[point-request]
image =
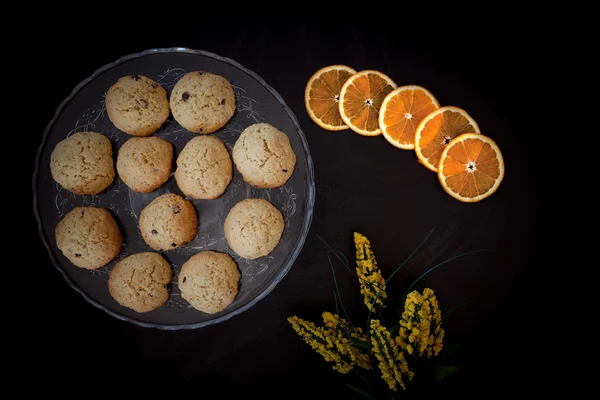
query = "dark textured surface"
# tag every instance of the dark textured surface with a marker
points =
(362, 184)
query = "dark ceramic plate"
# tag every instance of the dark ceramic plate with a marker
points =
(256, 102)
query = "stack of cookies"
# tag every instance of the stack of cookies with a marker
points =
(202, 103)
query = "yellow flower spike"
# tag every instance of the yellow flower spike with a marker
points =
(320, 339)
(393, 366)
(420, 322)
(341, 333)
(369, 275)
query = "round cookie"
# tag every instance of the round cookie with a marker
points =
(204, 168)
(209, 281)
(137, 105)
(202, 102)
(144, 163)
(253, 228)
(139, 281)
(83, 163)
(89, 237)
(168, 222)
(264, 156)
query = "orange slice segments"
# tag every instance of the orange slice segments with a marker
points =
(401, 112)
(360, 100)
(437, 129)
(471, 167)
(321, 96)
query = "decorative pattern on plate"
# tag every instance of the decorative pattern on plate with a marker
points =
(245, 103)
(287, 202)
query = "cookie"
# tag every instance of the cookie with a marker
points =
(204, 168)
(202, 102)
(209, 281)
(144, 163)
(168, 222)
(264, 156)
(139, 281)
(89, 237)
(83, 163)
(137, 105)
(253, 228)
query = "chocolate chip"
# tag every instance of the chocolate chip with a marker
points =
(136, 77)
(143, 103)
(173, 245)
(184, 279)
(284, 170)
(200, 129)
(82, 213)
(200, 73)
(154, 232)
(176, 209)
(185, 96)
(77, 255)
(222, 101)
(155, 85)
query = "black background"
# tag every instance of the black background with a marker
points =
(362, 184)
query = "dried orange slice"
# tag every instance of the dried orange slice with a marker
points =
(360, 99)
(471, 167)
(437, 129)
(401, 112)
(322, 93)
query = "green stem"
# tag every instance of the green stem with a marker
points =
(337, 289)
(337, 255)
(436, 267)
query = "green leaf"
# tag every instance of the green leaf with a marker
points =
(436, 267)
(387, 281)
(362, 343)
(360, 391)
(443, 371)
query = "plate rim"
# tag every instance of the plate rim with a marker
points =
(308, 211)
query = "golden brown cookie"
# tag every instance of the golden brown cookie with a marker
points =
(137, 105)
(253, 228)
(83, 163)
(204, 168)
(168, 222)
(202, 102)
(264, 156)
(89, 237)
(144, 163)
(139, 281)
(209, 281)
